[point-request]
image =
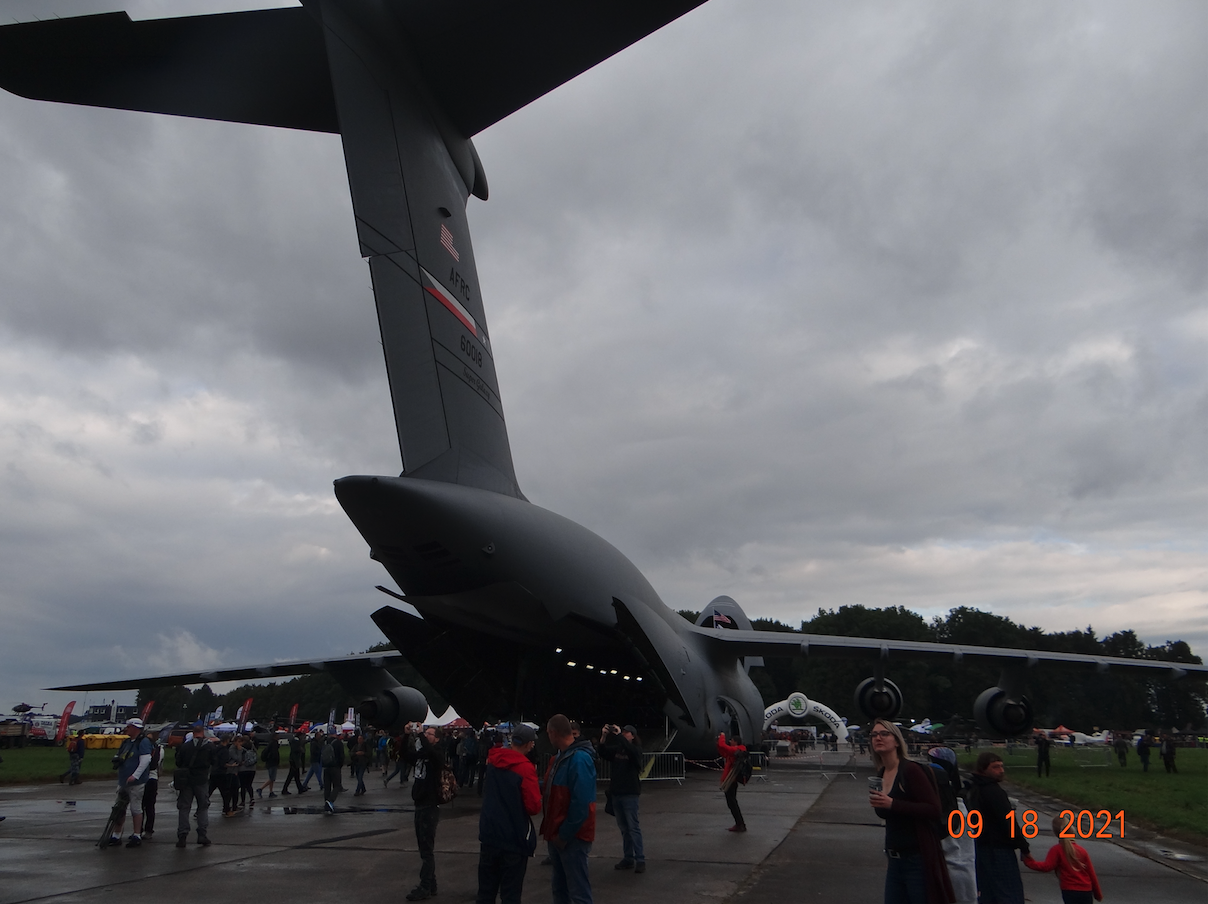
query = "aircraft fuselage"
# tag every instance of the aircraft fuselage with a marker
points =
(502, 567)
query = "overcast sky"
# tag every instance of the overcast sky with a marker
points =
(806, 303)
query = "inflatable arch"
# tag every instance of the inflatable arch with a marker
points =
(799, 706)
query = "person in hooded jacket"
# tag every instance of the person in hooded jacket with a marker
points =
(506, 835)
(427, 755)
(569, 799)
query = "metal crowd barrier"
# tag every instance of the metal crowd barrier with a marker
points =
(656, 767)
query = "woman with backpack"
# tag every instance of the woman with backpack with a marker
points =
(736, 771)
(907, 798)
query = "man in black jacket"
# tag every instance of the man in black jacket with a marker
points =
(297, 761)
(621, 747)
(193, 760)
(332, 758)
(998, 879)
(426, 752)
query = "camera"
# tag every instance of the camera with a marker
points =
(116, 761)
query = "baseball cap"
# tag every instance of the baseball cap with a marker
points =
(629, 728)
(137, 723)
(523, 734)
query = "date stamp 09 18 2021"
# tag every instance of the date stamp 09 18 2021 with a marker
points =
(1082, 824)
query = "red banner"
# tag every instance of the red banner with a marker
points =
(146, 710)
(245, 713)
(62, 732)
(293, 714)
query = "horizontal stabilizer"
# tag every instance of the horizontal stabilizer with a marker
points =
(267, 67)
(483, 59)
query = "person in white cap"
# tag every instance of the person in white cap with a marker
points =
(133, 763)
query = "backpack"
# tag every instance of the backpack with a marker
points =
(947, 796)
(742, 763)
(446, 784)
(328, 756)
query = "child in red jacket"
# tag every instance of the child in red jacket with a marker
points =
(1075, 872)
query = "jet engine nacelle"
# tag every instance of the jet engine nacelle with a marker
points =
(394, 707)
(883, 702)
(1001, 713)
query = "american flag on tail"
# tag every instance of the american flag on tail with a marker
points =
(446, 239)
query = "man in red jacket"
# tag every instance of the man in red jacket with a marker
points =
(506, 836)
(734, 756)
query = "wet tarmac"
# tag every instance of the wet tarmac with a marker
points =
(811, 836)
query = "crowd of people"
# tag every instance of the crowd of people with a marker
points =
(926, 861)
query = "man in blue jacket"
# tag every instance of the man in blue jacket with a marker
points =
(569, 824)
(133, 771)
(506, 835)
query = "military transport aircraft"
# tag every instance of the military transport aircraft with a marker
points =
(520, 611)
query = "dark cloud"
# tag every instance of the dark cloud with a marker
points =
(893, 304)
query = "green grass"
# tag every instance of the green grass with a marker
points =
(1172, 804)
(35, 765)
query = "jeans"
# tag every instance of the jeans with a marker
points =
(184, 801)
(426, 820)
(500, 873)
(626, 806)
(331, 784)
(316, 770)
(998, 879)
(360, 773)
(571, 884)
(904, 880)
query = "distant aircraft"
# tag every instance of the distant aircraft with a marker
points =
(521, 611)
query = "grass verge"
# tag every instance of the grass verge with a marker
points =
(1173, 804)
(38, 765)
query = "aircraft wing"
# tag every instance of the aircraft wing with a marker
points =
(360, 664)
(774, 643)
(482, 59)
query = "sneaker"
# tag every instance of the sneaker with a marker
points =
(115, 841)
(737, 828)
(147, 833)
(624, 864)
(134, 841)
(181, 840)
(640, 868)
(271, 794)
(204, 840)
(331, 807)
(260, 792)
(284, 793)
(419, 893)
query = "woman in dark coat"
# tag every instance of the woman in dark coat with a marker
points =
(910, 805)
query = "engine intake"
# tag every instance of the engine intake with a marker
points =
(883, 702)
(1001, 713)
(394, 707)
